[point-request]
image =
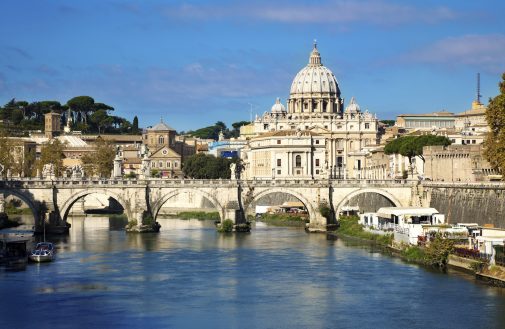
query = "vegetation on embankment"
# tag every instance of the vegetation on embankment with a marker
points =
(284, 219)
(6, 222)
(349, 226)
(435, 254)
(200, 215)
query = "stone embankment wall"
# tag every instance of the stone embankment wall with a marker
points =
(369, 202)
(469, 204)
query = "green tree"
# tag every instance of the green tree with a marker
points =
(81, 106)
(236, 128)
(101, 161)
(135, 126)
(494, 144)
(52, 152)
(412, 146)
(6, 158)
(204, 166)
(101, 120)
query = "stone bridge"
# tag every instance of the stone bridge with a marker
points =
(54, 198)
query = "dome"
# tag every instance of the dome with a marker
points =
(315, 78)
(353, 107)
(278, 107)
(315, 88)
(161, 126)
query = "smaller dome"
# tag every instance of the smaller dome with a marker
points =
(353, 107)
(278, 107)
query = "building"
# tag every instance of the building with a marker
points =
(452, 163)
(315, 112)
(430, 121)
(52, 124)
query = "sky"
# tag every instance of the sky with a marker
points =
(197, 62)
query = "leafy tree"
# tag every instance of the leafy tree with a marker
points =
(204, 166)
(6, 152)
(52, 152)
(494, 145)
(389, 123)
(135, 127)
(101, 120)
(236, 128)
(101, 161)
(81, 105)
(412, 146)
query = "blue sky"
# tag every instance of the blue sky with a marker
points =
(197, 62)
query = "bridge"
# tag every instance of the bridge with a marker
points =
(53, 199)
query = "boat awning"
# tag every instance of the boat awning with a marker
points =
(386, 212)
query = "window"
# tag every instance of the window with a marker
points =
(278, 172)
(161, 164)
(317, 162)
(367, 126)
(168, 164)
(317, 141)
(473, 141)
(153, 164)
(278, 141)
(279, 162)
(317, 172)
(325, 127)
(298, 161)
(161, 140)
(176, 164)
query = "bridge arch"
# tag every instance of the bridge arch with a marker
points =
(357, 192)
(29, 200)
(156, 206)
(67, 205)
(310, 207)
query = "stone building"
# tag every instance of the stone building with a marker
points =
(453, 163)
(429, 121)
(314, 105)
(52, 124)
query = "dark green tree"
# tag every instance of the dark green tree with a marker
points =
(204, 166)
(412, 146)
(101, 161)
(135, 126)
(494, 144)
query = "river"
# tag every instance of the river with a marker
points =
(190, 276)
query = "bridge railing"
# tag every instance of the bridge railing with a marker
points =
(160, 182)
(292, 182)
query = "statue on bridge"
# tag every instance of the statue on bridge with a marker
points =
(1, 170)
(48, 171)
(77, 172)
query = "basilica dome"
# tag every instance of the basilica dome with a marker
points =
(278, 107)
(315, 88)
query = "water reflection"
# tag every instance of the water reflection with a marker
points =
(189, 275)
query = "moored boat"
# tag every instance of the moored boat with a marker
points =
(43, 252)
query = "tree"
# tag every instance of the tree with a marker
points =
(81, 105)
(101, 161)
(135, 127)
(52, 152)
(494, 144)
(236, 128)
(101, 120)
(412, 146)
(204, 166)
(6, 152)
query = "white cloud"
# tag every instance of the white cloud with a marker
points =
(485, 51)
(379, 12)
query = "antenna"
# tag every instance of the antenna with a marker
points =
(478, 88)
(250, 112)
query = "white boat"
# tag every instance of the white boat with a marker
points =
(43, 252)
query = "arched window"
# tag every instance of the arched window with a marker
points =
(161, 164)
(298, 161)
(161, 140)
(168, 164)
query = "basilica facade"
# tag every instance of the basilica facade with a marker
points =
(314, 136)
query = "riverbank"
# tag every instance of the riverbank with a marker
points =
(436, 255)
(288, 220)
(200, 215)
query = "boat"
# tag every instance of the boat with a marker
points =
(43, 252)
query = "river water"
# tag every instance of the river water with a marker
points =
(190, 276)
